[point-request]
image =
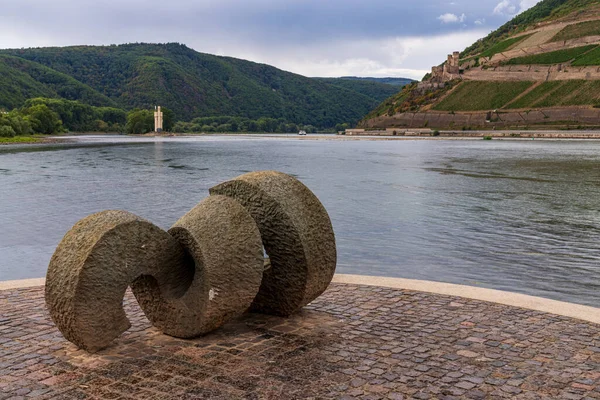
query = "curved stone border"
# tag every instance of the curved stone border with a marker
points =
(585, 313)
(22, 283)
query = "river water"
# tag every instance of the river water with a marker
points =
(522, 216)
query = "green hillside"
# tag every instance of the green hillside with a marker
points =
(191, 84)
(482, 95)
(545, 10)
(587, 28)
(502, 46)
(559, 93)
(546, 57)
(22, 79)
(374, 89)
(387, 80)
(553, 57)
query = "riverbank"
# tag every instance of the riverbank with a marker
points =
(420, 134)
(366, 136)
(453, 134)
(19, 140)
(363, 136)
(34, 139)
(355, 340)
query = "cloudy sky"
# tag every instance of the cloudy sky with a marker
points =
(310, 37)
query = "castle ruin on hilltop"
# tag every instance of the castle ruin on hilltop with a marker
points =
(446, 72)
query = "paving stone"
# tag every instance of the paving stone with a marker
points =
(353, 342)
(465, 385)
(467, 353)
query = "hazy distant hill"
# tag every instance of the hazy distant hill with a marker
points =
(368, 86)
(387, 80)
(541, 68)
(192, 84)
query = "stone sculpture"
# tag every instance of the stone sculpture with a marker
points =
(297, 236)
(208, 268)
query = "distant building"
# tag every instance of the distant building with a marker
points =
(450, 70)
(158, 119)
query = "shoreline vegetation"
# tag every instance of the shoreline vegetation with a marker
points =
(32, 139)
(19, 140)
(45, 116)
(51, 116)
(191, 84)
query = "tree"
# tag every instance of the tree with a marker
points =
(17, 124)
(20, 125)
(140, 121)
(74, 115)
(267, 124)
(168, 119)
(7, 131)
(101, 126)
(183, 127)
(111, 115)
(43, 119)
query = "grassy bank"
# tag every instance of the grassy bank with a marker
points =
(21, 139)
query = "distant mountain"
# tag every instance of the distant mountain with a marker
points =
(373, 89)
(21, 79)
(190, 83)
(540, 69)
(388, 80)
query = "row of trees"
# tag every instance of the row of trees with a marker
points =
(142, 121)
(46, 116)
(29, 120)
(240, 124)
(79, 117)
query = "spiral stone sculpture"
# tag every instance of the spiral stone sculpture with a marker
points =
(208, 268)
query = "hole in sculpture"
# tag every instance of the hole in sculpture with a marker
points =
(175, 285)
(267, 262)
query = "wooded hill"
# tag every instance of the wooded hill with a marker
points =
(546, 59)
(189, 83)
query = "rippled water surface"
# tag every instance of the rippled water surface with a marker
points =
(522, 216)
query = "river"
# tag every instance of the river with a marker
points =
(521, 216)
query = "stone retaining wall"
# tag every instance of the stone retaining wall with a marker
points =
(557, 72)
(479, 120)
(546, 48)
(388, 132)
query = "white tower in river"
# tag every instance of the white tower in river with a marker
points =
(158, 119)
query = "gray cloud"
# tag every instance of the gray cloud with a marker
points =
(356, 37)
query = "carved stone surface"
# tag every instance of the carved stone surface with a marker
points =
(93, 265)
(296, 233)
(225, 243)
(207, 269)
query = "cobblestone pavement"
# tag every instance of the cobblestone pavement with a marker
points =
(353, 342)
